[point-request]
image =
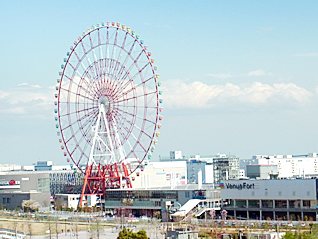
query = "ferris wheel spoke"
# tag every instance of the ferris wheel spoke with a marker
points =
(92, 73)
(123, 125)
(76, 120)
(114, 50)
(76, 94)
(131, 80)
(132, 89)
(135, 60)
(107, 48)
(126, 59)
(141, 70)
(133, 124)
(91, 120)
(95, 57)
(142, 118)
(99, 42)
(74, 69)
(135, 97)
(83, 154)
(82, 44)
(71, 81)
(134, 63)
(78, 58)
(90, 40)
(137, 141)
(120, 54)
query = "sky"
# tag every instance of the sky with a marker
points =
(238, 77)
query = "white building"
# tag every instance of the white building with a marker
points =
(67, 200)
(288, 165)
(9, 167)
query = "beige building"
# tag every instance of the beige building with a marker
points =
(160, 174)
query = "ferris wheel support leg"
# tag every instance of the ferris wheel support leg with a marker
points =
(128, 182)
(88, 170)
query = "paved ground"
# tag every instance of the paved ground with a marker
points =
(108, 233)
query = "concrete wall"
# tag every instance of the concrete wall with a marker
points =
(270, 189)
(12, 200)
(27, 181)
(193, 167)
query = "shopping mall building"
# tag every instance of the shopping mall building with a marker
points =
(280, 199)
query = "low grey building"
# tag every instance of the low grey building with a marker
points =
(279, 199)
(17, 186)
(261, 171)
(182, 234)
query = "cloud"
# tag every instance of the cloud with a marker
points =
(180, 95)
(258, 72)
(26, 84)
(23, 84)
(27, 100)
(221, 75)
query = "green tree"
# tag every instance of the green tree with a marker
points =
(289, 235)
(129, 234)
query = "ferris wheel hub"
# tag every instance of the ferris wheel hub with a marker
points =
(104, 102)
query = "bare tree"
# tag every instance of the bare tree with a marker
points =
(30, 205)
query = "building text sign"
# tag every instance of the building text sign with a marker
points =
(238, 186)
(12, 184)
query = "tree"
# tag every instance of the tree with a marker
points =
(129, 234)
(212, 214)
(30, 205)
(224, 214)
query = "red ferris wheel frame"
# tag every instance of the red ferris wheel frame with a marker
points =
(108, 105)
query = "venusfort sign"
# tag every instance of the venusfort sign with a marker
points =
(238, 186)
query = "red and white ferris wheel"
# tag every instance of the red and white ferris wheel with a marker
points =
(108, 106)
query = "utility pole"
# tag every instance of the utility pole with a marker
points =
(57, 234)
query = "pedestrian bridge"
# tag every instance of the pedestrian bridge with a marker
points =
(197, 207)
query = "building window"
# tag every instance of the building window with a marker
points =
(306, 203)
(280, 193)
(294, 193)
(4, 200)
(253, 193)
(8, 200)
(44, 185)
(240, 203)
(267, 203)
(294, 203)
(280, 204)
(266, 193)
(253, 203)
(308, 193)
(187, 194)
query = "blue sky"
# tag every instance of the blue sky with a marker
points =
(238, 77)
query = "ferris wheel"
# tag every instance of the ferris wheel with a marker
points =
(108, 106)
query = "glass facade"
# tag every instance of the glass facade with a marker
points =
(44, 185)
(141, 195)
(253, 203)
(280, 203)
(267, 203)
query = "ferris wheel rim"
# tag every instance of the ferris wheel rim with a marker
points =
(155, 121)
